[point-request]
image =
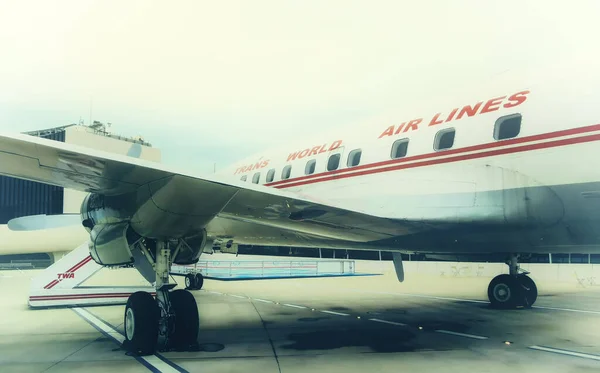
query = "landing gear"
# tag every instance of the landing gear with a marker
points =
(185, 331)
(194, 281)
(141, 323)
(190, 281)
(199, 281)
(167, 322)
(513, 290)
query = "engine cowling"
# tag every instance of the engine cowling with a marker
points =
(109, 244)
(107, 218)
(112, 238)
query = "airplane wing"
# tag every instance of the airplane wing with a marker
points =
(84, 169)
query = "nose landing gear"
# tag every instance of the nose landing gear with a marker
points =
(513, 290)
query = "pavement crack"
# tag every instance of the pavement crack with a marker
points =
(264, 324)
(69, 355)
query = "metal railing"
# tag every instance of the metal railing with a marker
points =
(280, 268)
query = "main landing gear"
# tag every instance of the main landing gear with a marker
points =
(194, 281)
(168, 322)
(514, 290)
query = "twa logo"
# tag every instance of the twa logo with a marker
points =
(63, 276)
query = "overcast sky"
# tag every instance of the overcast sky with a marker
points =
(216, 81)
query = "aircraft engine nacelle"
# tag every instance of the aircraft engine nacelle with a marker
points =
(191, 248)
(109, 244)
(107, 219)
(100, 209)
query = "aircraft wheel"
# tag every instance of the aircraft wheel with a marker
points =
(141, 323)
(199, 281)
(185, 331)
(528, 289)
(505, 291)
(190, 281)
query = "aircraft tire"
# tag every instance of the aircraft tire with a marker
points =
(198, 281)
(141, 323)
(190, 281)
(185, 331)
(505, 292)
(529, 290)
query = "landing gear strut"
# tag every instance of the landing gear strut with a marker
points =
(168, 322)
(513, 290)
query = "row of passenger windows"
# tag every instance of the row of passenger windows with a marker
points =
(333, 163)
(506, 127)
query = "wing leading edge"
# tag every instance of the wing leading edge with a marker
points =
(88, 170)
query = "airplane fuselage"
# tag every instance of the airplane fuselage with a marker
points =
(496, 186)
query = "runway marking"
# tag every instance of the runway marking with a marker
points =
(153, 362)
(215, 292)
(566, 352)
(461, 334)
(566, 310)
(469, 300)
(263, 300)
(421, 296)
(293, 305)
(238, 296)
(388, 322)
(335, 313)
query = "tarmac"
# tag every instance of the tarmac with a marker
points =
(349, 324)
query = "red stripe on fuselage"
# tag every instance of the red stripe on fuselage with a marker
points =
(545, 136)
(400, 163)
(40, 298)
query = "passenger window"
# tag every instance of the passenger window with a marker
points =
(270, 175)
(399, 148)
(310, 167)
(507, 127)
(244, 178)
(334, 162)
(286, 172)
(256, 178)
(444, 139)
(354, 158)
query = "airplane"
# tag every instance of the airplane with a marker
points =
(510, 171)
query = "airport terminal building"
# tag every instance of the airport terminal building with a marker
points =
(24, 198)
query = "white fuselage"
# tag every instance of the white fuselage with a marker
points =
(541, 187)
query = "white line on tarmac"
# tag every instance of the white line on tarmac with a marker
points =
(263, 300)
(421, 296)
(470, 301)
(335, 313)
(99, 323)
(565, 352)
(152, 360)
(293, 305)
(215, 292)
(461, 334)
(237, 296)
(566, 310)
(388, 322)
